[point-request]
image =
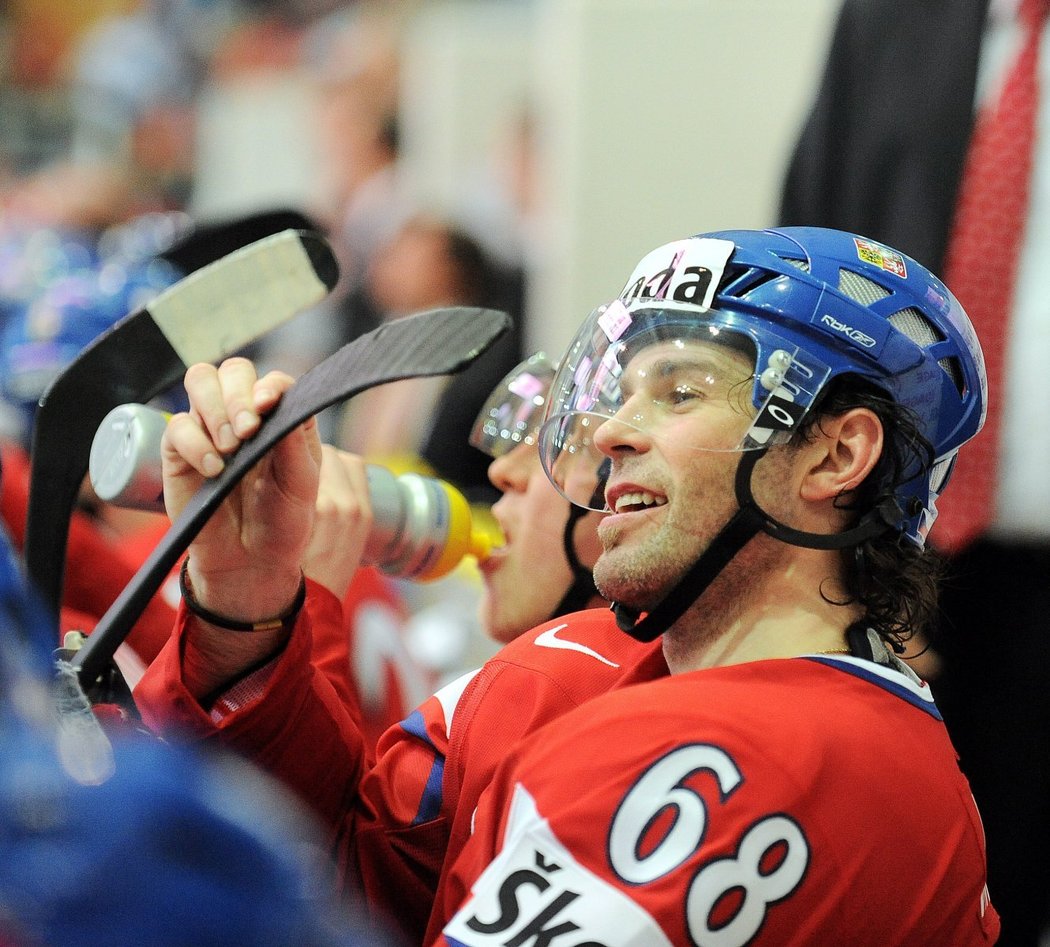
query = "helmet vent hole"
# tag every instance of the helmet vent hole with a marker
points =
(924, 333)
(860, 288)
(800, 264)
(916, 327)
(738, 281)
(954, 371)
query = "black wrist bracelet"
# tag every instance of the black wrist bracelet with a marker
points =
(271, 624)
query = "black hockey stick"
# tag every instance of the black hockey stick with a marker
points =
(439, 342)
(211, 313)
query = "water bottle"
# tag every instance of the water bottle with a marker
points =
(422, 526)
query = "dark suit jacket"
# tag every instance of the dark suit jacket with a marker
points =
(882, 151)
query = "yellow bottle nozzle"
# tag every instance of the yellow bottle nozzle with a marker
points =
(471, 532)
(486, 533)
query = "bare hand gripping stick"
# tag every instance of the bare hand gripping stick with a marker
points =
(439, 342)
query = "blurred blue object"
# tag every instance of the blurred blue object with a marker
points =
(155, 845)
(169, 850)
(49, 324)
(32, 258)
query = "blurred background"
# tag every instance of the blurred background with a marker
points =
(567, 137)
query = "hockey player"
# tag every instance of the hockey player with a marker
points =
(787, 324)
(415, 804)
(770, 418)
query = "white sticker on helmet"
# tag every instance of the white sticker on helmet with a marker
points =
(686, 271)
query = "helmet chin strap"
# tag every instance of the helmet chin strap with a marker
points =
(749, 520)
(582, 589)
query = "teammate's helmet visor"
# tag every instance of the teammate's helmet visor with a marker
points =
(512, 414)
(707, 380)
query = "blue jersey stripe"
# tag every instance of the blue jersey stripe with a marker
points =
(874, 677)
(430, 803)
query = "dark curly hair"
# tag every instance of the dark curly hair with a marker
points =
(895, 581)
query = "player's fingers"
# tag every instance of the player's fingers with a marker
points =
(237, 378)
(312, 433)
(330, 491)
(187, 444)
(221, 398)
(355, 472)
(345, 488)
(341, 525)
(294, 468)
(204, 389)
(269, 389)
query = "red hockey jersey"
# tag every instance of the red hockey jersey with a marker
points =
(399, 823)
(813, 800)
(96, 571)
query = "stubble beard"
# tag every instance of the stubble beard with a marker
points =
(639, 572)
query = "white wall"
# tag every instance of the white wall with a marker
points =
(466, 70)
(256, 146)
(664, 118)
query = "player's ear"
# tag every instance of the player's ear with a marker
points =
(846, 448)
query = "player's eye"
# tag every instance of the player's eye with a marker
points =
(683, 393)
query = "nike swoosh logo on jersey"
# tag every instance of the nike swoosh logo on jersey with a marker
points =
(550, 639)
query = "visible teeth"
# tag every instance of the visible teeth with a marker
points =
(640, 498)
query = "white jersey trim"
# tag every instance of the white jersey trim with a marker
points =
(449, 695)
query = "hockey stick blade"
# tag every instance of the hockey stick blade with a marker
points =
(210, 240)
(439, 342)
(204, 317)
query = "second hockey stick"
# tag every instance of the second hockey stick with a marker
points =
(213, 312)
(438, 342)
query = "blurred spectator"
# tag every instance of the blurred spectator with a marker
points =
(354, 58)
(427, 265)
(68, 195)
(38, 35)
(132, 85)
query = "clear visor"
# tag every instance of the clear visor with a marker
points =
(513, 412)
(701, 380)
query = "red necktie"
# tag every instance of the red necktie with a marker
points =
(981, 263)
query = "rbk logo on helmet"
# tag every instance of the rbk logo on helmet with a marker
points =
(687, 271)
(854, 335)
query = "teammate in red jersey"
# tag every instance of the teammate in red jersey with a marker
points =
(770, 418)
(413, 808)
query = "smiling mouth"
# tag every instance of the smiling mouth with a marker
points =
(637, 500)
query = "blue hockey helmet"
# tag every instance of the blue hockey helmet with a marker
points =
(46, 331)
(806, 305)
